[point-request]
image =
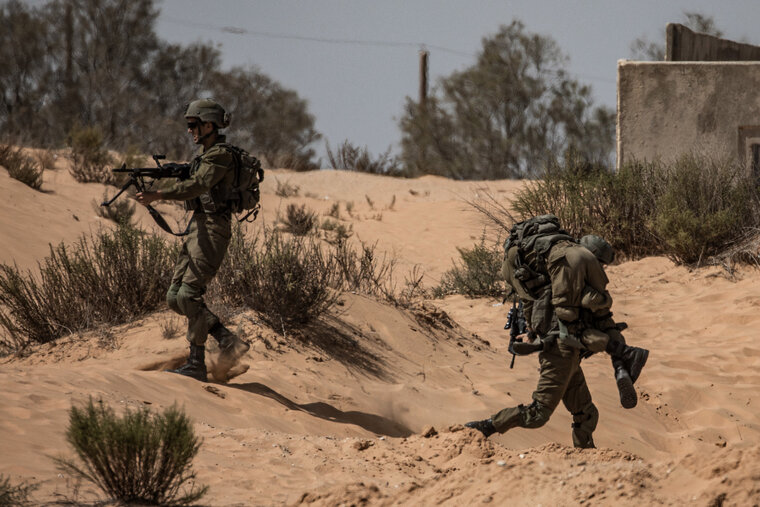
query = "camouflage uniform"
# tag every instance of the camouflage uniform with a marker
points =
(580, 297)
(567, 305)
(561, 376)
(204, 248)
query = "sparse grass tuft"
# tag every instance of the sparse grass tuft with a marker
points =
(139, 458)
(334, 210)
(21, 167)
(363, 270)
(171, 327)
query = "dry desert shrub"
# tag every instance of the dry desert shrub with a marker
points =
(46, 159)
(15, 495)
(293, 280)
(364, 270)
(120, 211)
(140, 458)
(109, 277)
(171, 327)
(299, 220)
(290, 280)
(334, 210)
(294, 162)
(21, 167)
(335, 232)
(348, 157)
(90, 160)
(286, 189)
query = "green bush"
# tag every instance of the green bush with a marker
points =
(688, 210)
(20, 167)
(139, 458)
(15, 495)
(477, 274)
(109, 278)
(592, 199)
(89, 159)
(706, 206)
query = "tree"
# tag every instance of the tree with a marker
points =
(271, 119)
(73, 64)
(506, 115)
(24, 71)
(646, 50)
(176, 76)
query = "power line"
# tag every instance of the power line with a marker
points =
(257, 33)
(328, 40)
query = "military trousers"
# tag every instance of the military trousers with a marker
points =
(561, 379)
(199, 260)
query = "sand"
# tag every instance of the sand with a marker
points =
(368, 409)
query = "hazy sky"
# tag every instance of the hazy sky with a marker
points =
(355, 61)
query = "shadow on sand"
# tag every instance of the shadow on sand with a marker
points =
(375, 423)
(339, 340)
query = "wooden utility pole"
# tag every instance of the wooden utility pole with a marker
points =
(423, 77)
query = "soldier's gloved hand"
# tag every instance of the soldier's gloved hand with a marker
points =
(523, 348)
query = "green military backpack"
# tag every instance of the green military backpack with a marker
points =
(534, 238)
(245, 193)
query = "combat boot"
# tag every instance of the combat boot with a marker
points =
(633, 358)
(231, 348)
(628, 396)
(485, 427)
(196, 364)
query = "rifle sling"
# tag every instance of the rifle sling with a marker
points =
(165, 226)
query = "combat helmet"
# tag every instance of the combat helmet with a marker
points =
(599, 247)
(208, 110)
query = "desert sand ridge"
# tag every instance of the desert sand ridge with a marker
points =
(367, 410)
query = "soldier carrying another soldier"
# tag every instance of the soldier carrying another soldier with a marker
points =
(567, 306)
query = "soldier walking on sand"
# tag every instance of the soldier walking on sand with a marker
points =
(567, 306)
(205, 194)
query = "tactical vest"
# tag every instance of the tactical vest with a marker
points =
(534, 238)
(238, 191)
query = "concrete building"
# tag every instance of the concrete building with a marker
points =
(709, 105)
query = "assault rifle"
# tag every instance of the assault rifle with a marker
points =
(517, 325)
(137, 177)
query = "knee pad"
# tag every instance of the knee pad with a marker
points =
(188, 300)
(586, 419)
(535, 415)
(171, 298)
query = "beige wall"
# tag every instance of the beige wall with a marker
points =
(669, 108)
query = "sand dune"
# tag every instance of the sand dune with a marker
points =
(367, 408)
